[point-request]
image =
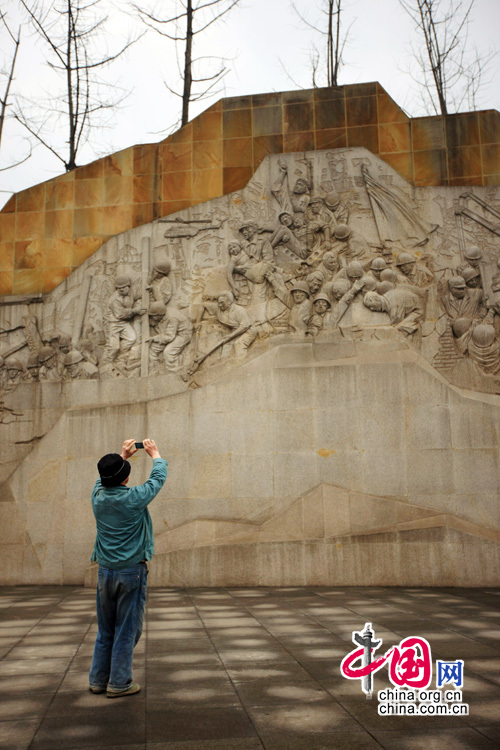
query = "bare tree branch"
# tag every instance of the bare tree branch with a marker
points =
(450, 72)
(334, 41)
(69, 30)
(196, 18)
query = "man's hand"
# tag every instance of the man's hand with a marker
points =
(150, 448)
(128, 448)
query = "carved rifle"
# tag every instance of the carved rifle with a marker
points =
(201, 358)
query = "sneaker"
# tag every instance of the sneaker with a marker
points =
(134, 688)
(97, 689)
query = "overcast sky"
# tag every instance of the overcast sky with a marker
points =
(269, 49)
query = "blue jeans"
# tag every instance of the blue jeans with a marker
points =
(121, 598)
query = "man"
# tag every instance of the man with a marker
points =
(124, 543)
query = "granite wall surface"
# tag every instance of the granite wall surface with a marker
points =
(318, 357)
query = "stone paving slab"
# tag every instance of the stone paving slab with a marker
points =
(241, 669)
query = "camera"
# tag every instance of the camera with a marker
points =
(139, 446)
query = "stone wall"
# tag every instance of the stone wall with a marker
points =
(50, 229)
(318, 356)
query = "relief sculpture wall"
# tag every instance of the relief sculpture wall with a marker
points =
(325, 248)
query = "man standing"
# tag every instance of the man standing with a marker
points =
(124, 543)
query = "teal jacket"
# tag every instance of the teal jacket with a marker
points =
(124, 526)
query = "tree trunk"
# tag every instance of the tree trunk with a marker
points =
(186, 94)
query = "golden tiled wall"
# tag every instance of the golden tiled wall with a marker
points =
(50, 229)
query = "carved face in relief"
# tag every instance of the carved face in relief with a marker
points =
(321, 306)
(373, 302)
(407, 268)
(458, 291)
(330, 261)
(301, 187)
(224, 302)
(248, 233)
(298, 296)
(286, 219)
(123, 290)
(234, 248)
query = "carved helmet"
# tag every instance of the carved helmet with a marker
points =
(378, 264)
(323, 296)
(473, 253)
(470, 273)
(14, 364)
(354, 269)
(483, 335)
(163, 266)
(157, 308)
(315, 199)
(122, 281)
(456, 282)
(33, 361)
(332, 199)
(460, 326)
(73, 357)
(342, 231)
(301, 286)
(46, 353)
(405, 258)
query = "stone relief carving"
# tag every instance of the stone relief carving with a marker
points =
(316, 244)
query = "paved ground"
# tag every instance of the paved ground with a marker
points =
(241, 669)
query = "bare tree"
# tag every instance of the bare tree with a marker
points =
(450, 71)
(329, 25)
(11, 58)
(193, 19)
(73, 34)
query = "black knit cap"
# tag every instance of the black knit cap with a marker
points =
(113, 469)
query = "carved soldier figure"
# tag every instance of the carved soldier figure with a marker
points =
(319, 318)
(461, 302)
(473, 257)
(297, 300)
(412, 273)
(15, 372)
(122, 309)
(329, 266)
(319, 223)
(403, 306)
(49, 366)
(484, 348)
(76, 367)
(335, 206)
(236, 317)
(295, 201)
(258, 248)
(376, 267)
(32, 374)
(238, 265)
(315, 282)
(353, 245)
(472, 277)
(172, 333)
(291, 236)
(160, 286)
